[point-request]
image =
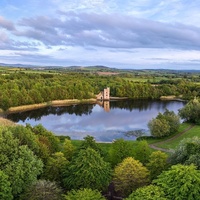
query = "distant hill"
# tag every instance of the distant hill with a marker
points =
(16, 65)
(96, 68)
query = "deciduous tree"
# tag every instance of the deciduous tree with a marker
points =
(172, 119)
(191, 111)
(157, 163)
(142, 151)
(68, 149)
(84, 194)
(164, 124)
(89, 142)
(5, 189)
(23, 170)
(159, 127)
(120, 149)
(18, 162)
(180, 182)
(187, 152)
(43, 190)
(150, 192)
(87, 170)
(54, 167)
(129, 175)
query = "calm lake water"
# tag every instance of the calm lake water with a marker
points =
(116, 119)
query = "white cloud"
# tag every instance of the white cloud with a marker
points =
(110, 32)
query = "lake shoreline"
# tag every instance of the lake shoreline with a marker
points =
(104, 124)
(69, 102)
(66, 102)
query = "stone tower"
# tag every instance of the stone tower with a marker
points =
(106, 94)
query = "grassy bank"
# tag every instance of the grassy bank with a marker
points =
(186, 130)
(6, 122)
(65, 102)
(195, 131)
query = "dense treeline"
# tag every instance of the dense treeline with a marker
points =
(23, 89)
(36, 165)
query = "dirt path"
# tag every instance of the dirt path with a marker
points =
(153, 146)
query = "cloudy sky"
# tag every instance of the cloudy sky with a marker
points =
(115, 33)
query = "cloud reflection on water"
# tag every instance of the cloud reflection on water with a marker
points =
(104, 126)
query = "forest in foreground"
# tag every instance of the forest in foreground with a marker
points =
(37, 165)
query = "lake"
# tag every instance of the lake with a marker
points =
(106, 121)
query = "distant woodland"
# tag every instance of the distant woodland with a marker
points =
(24, 88)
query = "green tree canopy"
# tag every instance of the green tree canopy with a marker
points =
(180, 182)
(84, 194)
(47, 141)
(5, 189)
(129, 175)
(150, 192)
(18, 162)
(119, 150)
(87, 169)
(23, 170)
(68, 149)
(89, 142)
(142, 151)
(54, 167)
(159, 127)
(42, 190)
(187, 152)
(191, 111)
(157, 163)
(172, 119)
(164, 124)
(26, 137)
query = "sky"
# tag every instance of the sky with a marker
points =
(131, 34)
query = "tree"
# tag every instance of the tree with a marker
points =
(150, 192)
(142, 151)
(89, 142)
(157, 163)
(48, 143)
(68, 149)
(23, 170)
(5, 189)
(18, 162)
(159, 127)
(120, 149)
(164, 124)
(180, 182)
(43, 190)
(187, 152)
(191, 111)
(54, 167)
(26, 137)
(8, 147)
(172, 119)
(130, 175)
(52, 140)
(87, 170)
(84, 194)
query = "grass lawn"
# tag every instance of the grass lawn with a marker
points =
(195, 131)
(182, 127)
